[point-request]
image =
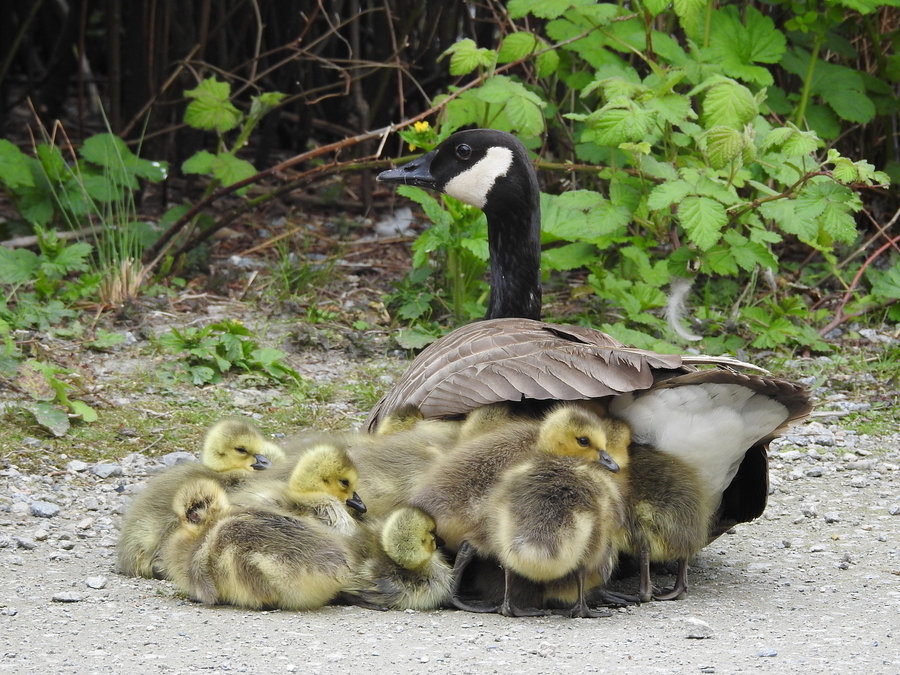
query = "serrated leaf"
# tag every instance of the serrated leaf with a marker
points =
(547, 63)
(738, 47)
(786, 216)
(211, 108)
(800, 143)
(517, 46)
(839, 223)
(50, 417)
(15, 170)
(845, 170)
(33, 381)
(655, 7)
(230, 169)
(703, 220)
(886, 284)
(543, 9)
(569, 256)
(200, 162)
(668, 193)
(728, 104)
(18, 266)
(466, 56)
(414, 338)
(723, 145)
(719, 260)
(620, 121)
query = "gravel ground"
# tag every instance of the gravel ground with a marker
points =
(812, 587)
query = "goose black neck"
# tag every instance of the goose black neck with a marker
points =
(513, 212)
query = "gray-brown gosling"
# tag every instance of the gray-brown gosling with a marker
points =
(406, 569)
(233, 450)
(553, 520)
(252, 557)
(456, 491)
(322, 485)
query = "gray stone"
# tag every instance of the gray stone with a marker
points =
(174, 458)
(15, 560)
(84, 523)
(44, 509)
(862, 465)
(76, 466)
(894, 509)
(697, 629)
(41, 534)
(766, 653)
(4, 540)
(96, 582)
(859, 483)
(19, 508)
(104, 470)
(790, 455)
(92, 504)
(814, 472)
(66, 544)
(832, 517)
(25, 542)
(67, 596)
(810, 511)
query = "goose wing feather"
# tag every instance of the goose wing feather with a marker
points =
(511, 359)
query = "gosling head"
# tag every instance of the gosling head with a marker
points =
(403, 418)
(569, 430)
(199, 502)
(408, 537)
(236, 445)
(329, 469)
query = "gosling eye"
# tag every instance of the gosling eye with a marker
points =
(463, 151)
(345, 482)
(583, 441)
(241, 449)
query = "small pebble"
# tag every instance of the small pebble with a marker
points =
(41, 534)
(697, 629)
(76, 466)
(814, 472)
(66, 544)
(894, 509)
(25, 542)
(67, 596)
(832, 517)
(174, 458)
(106, 470)
(96, 582)
(44, 509)
(767, 653)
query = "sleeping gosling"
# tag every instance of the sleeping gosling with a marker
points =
(233, 450)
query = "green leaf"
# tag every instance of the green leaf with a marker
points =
(655, 7)
(18, 266)
(748, 254)
(886, 284)
(200, 162)
(517, 46)
(229, 169)
(543, 9)
(211, 108)
(737, 47)
(88, 414)
(620, 121)
(703, 220)
(466, 56)
(723, 145)
(50, 417)
(15, 169)
(415, 338)
(668, 193)
(728, 104)
(569, 256)
(33, 380)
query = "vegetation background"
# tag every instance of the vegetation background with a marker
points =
(716, 175)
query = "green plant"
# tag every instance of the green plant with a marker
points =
(49, 386)
(684, 171)
(214, 350)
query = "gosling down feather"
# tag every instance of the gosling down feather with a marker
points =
(233, 450)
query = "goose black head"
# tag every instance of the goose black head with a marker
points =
(491, 170)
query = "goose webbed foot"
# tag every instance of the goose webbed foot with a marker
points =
(463, 557)
(614, 599)
(679, 591)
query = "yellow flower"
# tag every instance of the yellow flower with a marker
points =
(421, 127)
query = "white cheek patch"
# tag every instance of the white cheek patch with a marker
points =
(473, 184)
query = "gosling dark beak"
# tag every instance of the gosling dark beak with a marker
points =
(416, 172)
(356, 503)
(607, 462)
(440, 543)
(262, 462)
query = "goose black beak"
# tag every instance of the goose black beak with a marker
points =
(356, 503)
(262, 462)
(416, 172)
(607, 462)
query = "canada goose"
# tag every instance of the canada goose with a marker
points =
(405, 568)
(322, 485)
(251, 557)
(233, 450)
(512, 356)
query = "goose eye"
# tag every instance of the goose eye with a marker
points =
(583, 441)
(241, 449)
(463, 151)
